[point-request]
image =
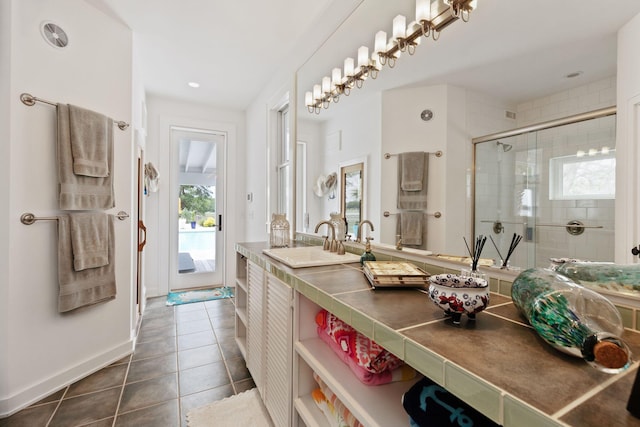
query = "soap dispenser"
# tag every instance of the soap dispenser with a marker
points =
(367, 255)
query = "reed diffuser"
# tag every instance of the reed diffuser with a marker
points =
(475, 256)
(512, 247)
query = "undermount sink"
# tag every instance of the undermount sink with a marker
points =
(309, 256)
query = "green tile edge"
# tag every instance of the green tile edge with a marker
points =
(517, 413)
(477, 393)
(424, 361)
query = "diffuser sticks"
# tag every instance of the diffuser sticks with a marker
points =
(512, 247)
(477, 250)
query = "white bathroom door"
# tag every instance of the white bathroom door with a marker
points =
(197, 202)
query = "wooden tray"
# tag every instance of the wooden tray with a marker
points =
(395, 274)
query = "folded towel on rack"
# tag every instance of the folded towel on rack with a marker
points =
(412, 165)
(413, 200)
(80, 192)
(411, 228)
(89, 239)
(91, 136)
(86, 287)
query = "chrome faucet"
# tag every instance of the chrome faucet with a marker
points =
(359, 233)
(331, 246)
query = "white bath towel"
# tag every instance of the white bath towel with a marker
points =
(91, 135)
(87, 287)
(79, 192)
(89, 239)
(412, 165)
(413, 200)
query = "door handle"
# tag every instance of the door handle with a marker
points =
(143, 228)
(219, 222)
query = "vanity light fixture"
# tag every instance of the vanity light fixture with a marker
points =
(431, 17)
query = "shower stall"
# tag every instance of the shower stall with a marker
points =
(553, 184)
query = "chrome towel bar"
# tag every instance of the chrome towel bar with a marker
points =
(434, 214)
(30, 100)
(28, 218)
(438, 153)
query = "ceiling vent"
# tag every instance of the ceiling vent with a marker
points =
(510, 115)
(54, 35)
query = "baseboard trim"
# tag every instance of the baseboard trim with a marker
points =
(37, 392)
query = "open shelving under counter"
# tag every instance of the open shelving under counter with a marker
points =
(379, 405)
(372, 405)
(497, 364)
(241, 305)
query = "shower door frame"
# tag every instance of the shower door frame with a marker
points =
(590, 115)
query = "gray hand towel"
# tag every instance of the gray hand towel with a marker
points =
(87, 287)
(413, 200)
(89, 239)
(412, 170)
(91, 134)
(79, 192)
(411, 228)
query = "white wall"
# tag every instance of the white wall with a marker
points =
(628, 123)
(6, 10)
(160, 112)
(458, 116)
(350, 138)
(43, 350)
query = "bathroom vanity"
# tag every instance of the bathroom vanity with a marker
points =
(497, 364)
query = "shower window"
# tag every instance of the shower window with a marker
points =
(584, 175)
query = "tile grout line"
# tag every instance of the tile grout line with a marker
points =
(224, 359)
(57, 406)
(124, 383)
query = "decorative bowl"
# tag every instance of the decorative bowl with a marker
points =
(457, 295)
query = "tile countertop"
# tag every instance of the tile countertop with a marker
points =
(498, 363)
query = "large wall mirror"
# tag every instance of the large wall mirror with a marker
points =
(473, 89)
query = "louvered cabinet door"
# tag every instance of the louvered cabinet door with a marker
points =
(279, 351)
(255, 324)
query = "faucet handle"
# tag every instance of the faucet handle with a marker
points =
(325, 243)
(340, 250)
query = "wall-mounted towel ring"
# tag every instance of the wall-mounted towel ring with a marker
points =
(28, 218)
(30, 100)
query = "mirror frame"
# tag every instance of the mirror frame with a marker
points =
(350, 167)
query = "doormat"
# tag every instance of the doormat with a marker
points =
(198, 295)
(244, 409)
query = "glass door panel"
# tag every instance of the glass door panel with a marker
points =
(197, 254)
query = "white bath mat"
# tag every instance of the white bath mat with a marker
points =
(244, 409)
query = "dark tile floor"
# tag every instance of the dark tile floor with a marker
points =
(186, 356)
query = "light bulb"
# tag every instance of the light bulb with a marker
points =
(348, 67)
(363, 56)
(399, 27)
(423, 10)
(380, 42)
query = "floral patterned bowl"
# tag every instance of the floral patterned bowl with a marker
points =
(456, 295)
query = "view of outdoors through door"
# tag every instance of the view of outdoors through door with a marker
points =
(197, 250)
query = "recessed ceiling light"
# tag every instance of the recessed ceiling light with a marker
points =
(574, 74)
(194, 84)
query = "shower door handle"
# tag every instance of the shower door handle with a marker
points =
(219, 222)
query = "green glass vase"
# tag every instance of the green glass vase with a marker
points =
(603, 275)
(572, 318)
